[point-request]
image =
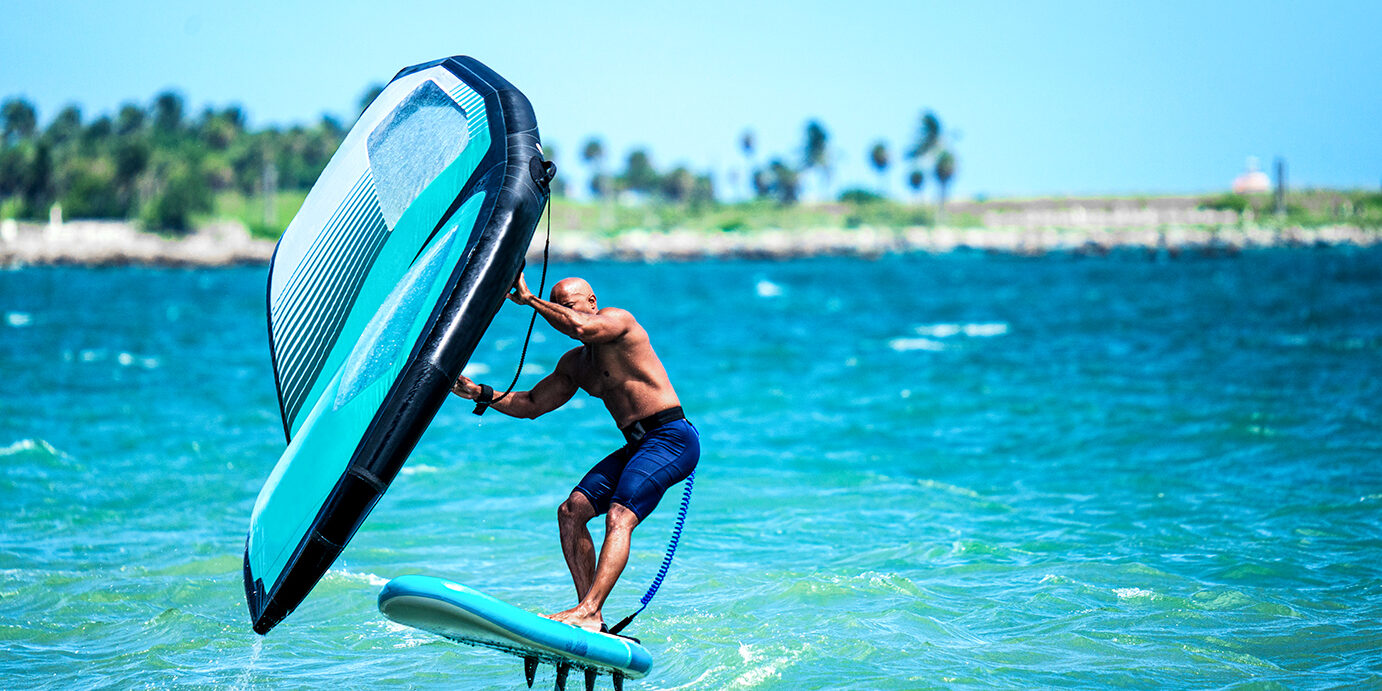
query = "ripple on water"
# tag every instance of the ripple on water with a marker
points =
(1004, 473)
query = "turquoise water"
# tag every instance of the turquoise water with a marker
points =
(920, 472)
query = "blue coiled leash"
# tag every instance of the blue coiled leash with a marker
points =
(667, 560)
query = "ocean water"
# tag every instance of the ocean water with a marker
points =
(958, 471)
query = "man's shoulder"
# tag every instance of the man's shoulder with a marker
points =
(625, 317)
(617, 313)
(570, 361)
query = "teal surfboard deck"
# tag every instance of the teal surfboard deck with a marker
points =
(469, 616)
(378, 293)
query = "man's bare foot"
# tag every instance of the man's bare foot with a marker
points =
(580, 617)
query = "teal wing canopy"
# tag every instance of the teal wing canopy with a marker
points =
(378, 292)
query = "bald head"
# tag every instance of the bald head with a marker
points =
(575, 293)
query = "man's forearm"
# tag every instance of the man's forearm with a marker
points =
(517, 404)
(562, 318)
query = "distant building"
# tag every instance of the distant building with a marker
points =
(1252, 180)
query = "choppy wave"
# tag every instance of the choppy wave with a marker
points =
(1112, 474)
(365, 577)
(976, 330)
(26, 446)
(903, 345)
(767, 289)
(122, 358)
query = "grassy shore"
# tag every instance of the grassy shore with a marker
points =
(604, 219)
(239, 230)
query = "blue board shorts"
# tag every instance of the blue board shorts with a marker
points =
(637, 475)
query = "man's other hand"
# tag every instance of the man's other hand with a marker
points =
(465, 388)
(520, 293)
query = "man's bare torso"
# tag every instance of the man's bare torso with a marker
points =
(624, 373)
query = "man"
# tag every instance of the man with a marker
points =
(616, 364)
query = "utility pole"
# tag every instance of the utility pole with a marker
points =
(1280, 186)
(269, 188)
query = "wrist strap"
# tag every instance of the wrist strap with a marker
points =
(483, 401)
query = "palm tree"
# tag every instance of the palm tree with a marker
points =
(20, 118)
(593, 153)
(815, 154)
(945, 169)
(129, 120)
(785, 182)
(66, 127)
(746, 145)
(878, 156)
(167, 111)
(915, 180)
(762, 181)
(639, 174)
(678, 185)
(928, 137)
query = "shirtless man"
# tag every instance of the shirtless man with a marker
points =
(617, 365)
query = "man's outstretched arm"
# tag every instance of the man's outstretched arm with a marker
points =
(554, 390)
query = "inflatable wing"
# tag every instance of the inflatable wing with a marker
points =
(378, 292)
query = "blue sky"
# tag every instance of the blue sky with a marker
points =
(1040, 98)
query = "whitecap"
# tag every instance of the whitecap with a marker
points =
(767, 289)
(18, 319)
(372, 579)
(1129, 593)
(768, 667)
(409, 636)
(953, 489)
(475, 369)
(24, 445)
(973, 330)
(905, 344)
(985, 330)
(420, 469)
(938, 330)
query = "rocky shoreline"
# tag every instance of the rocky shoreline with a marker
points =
(113, 243)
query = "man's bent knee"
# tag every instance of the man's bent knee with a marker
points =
(576, 509)
(621, 516)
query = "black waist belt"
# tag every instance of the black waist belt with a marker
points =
(635, 431)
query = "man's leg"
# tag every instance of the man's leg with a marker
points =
(651, 469)
(614, 555)
(576, 544)
(588, 499)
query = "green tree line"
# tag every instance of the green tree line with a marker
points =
(159, 164)
(782, 176)
(153, 162)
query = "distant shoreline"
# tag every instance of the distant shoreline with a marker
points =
(118, 243)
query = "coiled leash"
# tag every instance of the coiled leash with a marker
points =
(666, 560)
(487, 397)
